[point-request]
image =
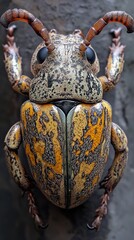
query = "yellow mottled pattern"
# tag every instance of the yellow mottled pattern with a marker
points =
(30, 155)
(95, 180)
(38, 148)
(85, 128)
(86, 169)
(51, 126)
(26, 106)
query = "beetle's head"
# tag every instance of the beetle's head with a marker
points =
(65, 67)
(65, 72)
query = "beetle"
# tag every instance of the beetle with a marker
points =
(66, 126)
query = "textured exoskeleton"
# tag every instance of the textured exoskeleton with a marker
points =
(66, 126)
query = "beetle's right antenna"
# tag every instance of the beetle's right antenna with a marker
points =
(25, 16)
(114, 16)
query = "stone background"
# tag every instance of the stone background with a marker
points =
(15, 223)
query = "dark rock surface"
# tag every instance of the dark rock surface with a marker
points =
(15, 222)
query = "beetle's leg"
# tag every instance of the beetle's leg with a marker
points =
(20, 83)
(12, 143)
(115, 62)
(119, 142)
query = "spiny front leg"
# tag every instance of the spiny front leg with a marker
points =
(115, 62)
(12, 143)
(20, 83)
(119, 142)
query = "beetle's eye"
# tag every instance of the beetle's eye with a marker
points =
(42, 54)
(90, 55)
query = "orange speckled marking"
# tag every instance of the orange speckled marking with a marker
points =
(39, 147)
(41, 124)
(26, 106)
(51, 126)
(86, 142)
(80, 122)
(30, 154)
(86, 169)
(96, 138)
(89, 145)
(95, 180)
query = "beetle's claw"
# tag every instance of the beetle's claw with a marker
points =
(23, 193)
(40, 224)
(11, 30)
(116, 32)
(91, 227)
(31, 180)
(43, 226)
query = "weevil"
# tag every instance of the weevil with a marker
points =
(66, 127)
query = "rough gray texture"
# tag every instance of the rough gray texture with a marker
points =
(15, 222)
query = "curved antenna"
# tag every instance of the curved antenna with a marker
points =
(114, 16)
(22, 15)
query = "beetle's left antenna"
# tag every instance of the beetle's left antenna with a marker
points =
(114, 16)
(15, 14)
